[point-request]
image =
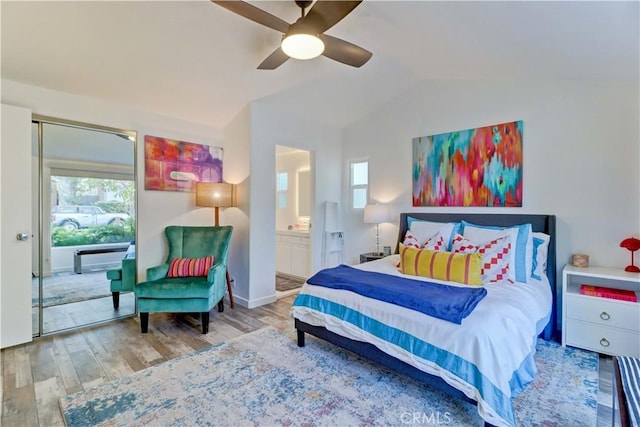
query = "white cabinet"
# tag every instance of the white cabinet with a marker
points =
(293, 253)
(604, 325)
(300, 259)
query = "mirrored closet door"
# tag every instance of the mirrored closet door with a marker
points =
(84, 248)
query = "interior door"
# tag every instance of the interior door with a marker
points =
(15, 226)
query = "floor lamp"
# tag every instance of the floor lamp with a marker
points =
(217, 195)
(376, 214)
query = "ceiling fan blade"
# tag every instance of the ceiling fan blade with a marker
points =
(325, 14)
(273, 61)
(255, 14)
(345, 52)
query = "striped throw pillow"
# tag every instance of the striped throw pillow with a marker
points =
(190, 267)
(441, 265)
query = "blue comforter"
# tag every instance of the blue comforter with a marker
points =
(451, 303)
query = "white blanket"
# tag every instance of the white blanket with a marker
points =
(489, 357)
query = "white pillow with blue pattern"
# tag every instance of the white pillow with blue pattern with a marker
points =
(540, 254)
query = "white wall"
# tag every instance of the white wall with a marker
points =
(581, 156)
(268, 129)
(156, 209)
(237, 170)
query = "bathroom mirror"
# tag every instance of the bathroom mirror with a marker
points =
(304, 193)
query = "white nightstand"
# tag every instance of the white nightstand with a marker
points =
(600, 324)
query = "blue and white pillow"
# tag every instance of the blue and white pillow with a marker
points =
(540, 254)
(521, 258)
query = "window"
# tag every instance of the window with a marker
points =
(91, 210)
(359, 183)
(282, 186)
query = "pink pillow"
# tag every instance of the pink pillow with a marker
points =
(190, 267)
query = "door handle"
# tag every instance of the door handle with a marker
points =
(22, 236)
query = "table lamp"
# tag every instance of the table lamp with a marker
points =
(376, 214)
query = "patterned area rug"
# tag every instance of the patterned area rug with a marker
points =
(67, 287)
(244, 383)
(287, 283)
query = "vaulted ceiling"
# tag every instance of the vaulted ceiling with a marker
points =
(196, 61)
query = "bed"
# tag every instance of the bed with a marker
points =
(460, 359)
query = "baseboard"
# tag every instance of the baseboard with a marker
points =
(255, 302)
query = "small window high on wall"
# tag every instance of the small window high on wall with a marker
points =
(359, 183)
(282, 186)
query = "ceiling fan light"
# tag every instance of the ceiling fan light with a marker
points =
(302, 46)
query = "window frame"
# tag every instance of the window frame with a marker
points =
(353, 187)
(282, 192)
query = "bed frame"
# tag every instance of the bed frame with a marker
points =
(542, 223)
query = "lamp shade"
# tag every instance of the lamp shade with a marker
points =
(376, 214)
(215, 194)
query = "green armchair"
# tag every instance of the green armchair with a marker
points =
(122, 279)
(187, 294)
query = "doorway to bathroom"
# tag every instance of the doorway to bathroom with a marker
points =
(294, 202)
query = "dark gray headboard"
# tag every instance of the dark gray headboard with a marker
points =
(543, 223)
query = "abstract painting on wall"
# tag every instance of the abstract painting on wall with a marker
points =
(474, 167)
(171, 165)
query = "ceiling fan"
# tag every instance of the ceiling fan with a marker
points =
(305, 38)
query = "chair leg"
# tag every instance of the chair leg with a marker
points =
(144, 322)
(221, 305)
(116, 299)
(229, 289)
(205, 322)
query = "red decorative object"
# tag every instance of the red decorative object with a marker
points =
(633, 245)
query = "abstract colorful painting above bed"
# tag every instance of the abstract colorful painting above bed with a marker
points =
(473, 167)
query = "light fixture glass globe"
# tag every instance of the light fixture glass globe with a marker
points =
(302, 46)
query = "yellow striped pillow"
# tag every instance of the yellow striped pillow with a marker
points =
(454, 267)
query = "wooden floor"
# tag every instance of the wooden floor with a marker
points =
(35, 375)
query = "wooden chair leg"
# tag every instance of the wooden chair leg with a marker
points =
(229, 289)
(144, 322)
(116, 299)
(221, 305)
(205, 322)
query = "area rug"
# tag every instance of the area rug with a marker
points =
(68, 287)
(287, 283)
(264, 379)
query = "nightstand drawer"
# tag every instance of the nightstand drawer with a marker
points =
(602, 339)
(605, 312)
